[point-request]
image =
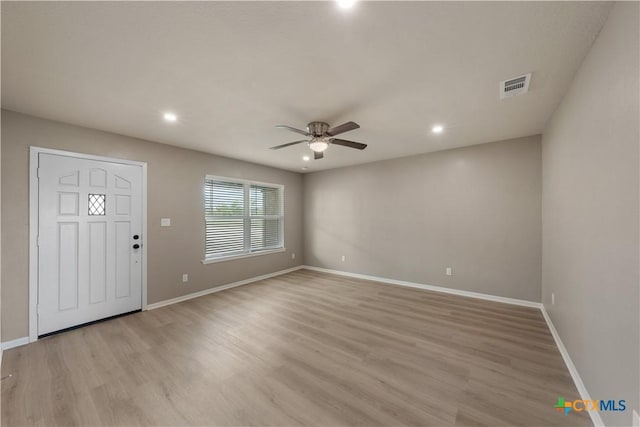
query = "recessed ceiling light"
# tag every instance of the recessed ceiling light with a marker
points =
(306, 158)
(346, 4)
(170, 117)
(437, 129)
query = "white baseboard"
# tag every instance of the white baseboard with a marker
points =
(434, 288)
(15, 343)
(584, 394)
(219, 288)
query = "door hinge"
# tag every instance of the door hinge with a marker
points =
(38, 173)
(38, 240)
(38, 309)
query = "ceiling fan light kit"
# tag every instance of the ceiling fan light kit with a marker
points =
(321, 136)
(318, 145)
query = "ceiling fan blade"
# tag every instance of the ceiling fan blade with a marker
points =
(350, 144)
(345, 127)
(277, 147)
(317, 156)
(301, 132)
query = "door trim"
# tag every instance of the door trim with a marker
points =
(33, 226)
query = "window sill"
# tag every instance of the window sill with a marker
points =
(232, 257)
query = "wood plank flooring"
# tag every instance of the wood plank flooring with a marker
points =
(305, 348)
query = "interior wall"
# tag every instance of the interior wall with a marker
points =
(590, 215)
(175, 182)
(475, 209)
(0, 249)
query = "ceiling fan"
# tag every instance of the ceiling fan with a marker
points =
(319, 136)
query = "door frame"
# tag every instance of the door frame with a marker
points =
(34, 225)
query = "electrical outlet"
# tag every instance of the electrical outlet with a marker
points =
(449, 271)
(344, 258)
(165, 222)
(293, 255)
(553, 298)
(185, 278)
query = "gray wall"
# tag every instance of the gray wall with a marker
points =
(590, 215)
(175, 180)
(476, 209)
(1, 351)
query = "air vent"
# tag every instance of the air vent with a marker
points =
(515, 86)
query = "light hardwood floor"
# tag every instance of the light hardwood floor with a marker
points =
(305, 348)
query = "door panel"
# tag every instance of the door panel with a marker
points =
(97, 262)
(123, 263)
(68, 266)
(89, 211)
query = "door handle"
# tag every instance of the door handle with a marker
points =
(136, 246)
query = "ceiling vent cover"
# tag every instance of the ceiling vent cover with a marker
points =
(515, 86)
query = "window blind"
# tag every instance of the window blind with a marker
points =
(242, 217)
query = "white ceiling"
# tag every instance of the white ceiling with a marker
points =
(233, 70)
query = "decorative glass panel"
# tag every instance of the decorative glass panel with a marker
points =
(97, 204)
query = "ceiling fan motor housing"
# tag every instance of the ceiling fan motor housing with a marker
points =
(317, 129)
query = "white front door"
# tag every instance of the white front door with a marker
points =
(89, 240)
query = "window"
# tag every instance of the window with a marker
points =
(97, 204)
(242, 217)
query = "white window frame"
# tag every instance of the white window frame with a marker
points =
(247, 220)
